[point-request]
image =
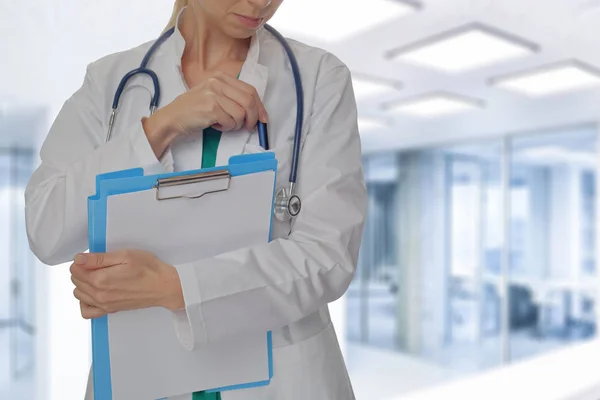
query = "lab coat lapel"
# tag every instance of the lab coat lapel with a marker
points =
(255, 74)
(171, 82)
(167, 65)
(172, 70)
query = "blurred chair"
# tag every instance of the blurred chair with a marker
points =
(523, 312)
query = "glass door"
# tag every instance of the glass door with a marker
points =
(372, 296)
(17, 288)
(23, 283)
(552, 276)
(5, 276)
(474, 238)
(465, 194)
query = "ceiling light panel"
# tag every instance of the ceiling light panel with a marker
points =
(550, 80)
(336, 20)
(368, 124)
(435, 105)
(369, 88)
(465, 49)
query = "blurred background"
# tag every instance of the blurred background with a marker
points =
(479, 119)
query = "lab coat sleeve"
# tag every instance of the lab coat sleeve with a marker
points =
(270, 286)
(72, 155)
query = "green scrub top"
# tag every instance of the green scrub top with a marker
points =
(210, 143)
(206, 396)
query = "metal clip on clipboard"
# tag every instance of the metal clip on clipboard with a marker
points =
(192, 186)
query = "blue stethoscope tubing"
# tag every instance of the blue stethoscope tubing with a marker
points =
(287, 203)
(299, 102)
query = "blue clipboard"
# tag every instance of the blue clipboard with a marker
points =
(134, 180)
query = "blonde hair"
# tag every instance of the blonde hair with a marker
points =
(179, 5)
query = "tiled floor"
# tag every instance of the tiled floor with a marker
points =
(22, 385)
(23, 390)
(379, 374)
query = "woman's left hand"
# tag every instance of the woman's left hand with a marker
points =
(106, 283)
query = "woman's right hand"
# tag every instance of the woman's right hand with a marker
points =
(221, 101)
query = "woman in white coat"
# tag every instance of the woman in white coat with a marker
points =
(221, 71)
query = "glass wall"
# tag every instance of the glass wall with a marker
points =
(437, 255)
(17, 283)
(552, 274)
(372, 297)
(474, 238)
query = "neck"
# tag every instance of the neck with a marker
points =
(207, 47)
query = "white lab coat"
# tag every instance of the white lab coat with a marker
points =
(283, 286)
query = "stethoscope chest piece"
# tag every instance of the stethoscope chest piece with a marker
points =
(294, 206)
(287, 205)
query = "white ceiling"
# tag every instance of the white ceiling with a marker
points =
(562, 30)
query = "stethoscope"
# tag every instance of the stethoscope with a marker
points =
(287, 203)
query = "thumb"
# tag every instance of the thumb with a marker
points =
(92, 261)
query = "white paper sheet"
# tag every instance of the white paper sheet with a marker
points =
(147, 360)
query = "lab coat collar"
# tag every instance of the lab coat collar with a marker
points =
(252, 72)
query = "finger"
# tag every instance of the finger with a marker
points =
(240, 92)
(243, 94)
(97, 260)
(85, 298)
(247, 101)
(89, 312)
(236, 113)
(241, 85)
(86, 290)
(80, 273)
(222, 121)
(95, 283)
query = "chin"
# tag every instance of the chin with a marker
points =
(239, 32)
